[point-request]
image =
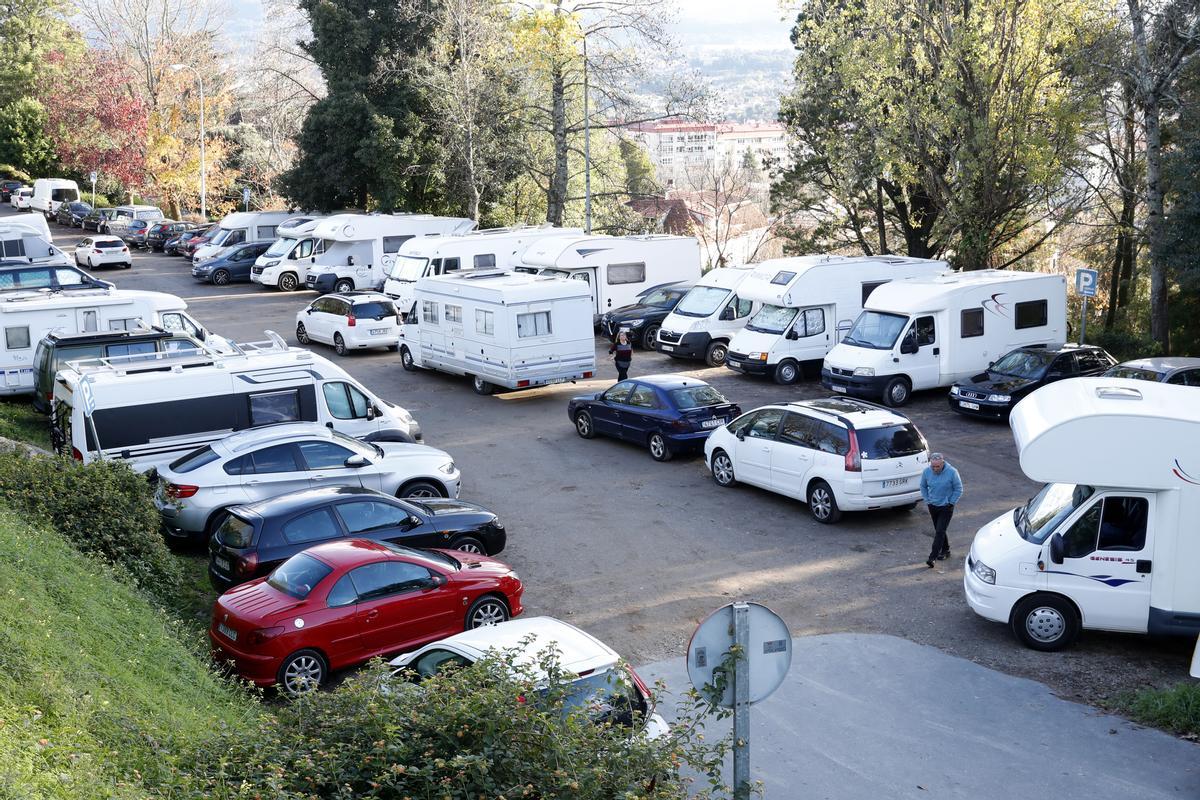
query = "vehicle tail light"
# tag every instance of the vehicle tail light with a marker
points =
(587, 374)
(178, 491)
(853, 456)
(246, 565)
(264, 635)
(351, 321)
(681, 425)
(522, 384)
(75, 454)
(97, 251)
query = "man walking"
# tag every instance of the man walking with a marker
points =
(940, 487)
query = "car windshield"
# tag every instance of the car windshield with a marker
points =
(558, 273)
(771, 319)
(194, 460)
(890, 441)
(408, 268)
(222, 235)
(701, 301)
(876, 329)
(1028, 364)
(1038, 518)
(1132, 373)
(696, 397)
(662, 298)
(376, 309)
(605, 697)
(281, 247)
(299, 575)
(433, 555)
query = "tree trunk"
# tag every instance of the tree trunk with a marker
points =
(1114, 283)
(556, 195)
(880, 221)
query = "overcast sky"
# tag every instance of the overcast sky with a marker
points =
(754, 24)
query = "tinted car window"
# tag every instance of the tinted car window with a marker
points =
(1064, 365)
(618, 393)
(371, 515)
(299, 575)
(315, 526)
(798, 430)
(696, 397)
(280, 458)
(385, 578)
(235, 532)
(194, 460)
(765, 424)
(643, 397)
(1187, 377)
(375, 310)
(343, 593)
(324, 455)
(432, 661)
(892, 441)
(830, 438)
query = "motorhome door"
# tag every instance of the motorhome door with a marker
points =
(811, 334)
(920, 352)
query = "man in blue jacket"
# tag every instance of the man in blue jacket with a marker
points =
(940, 487)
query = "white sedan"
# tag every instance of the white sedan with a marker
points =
(102, 251)
(20, 198)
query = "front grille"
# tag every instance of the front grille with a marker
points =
(256, 270)
(670, 337)
(732, 356)
(840, 371)
(972, 395)
(310, 281)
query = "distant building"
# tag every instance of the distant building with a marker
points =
(682, 150)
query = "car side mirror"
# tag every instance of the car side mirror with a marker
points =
(437, 580)
(357, 461)
(727, 313)
(741, 435)
(1057, 548)
(308, 310)
(792, 334)
(909, 345)
(372, 412)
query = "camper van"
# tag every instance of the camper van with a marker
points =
(808, 303)
(24, 242)
(361, 249)
(929, 332)
(26, 317)
(507, 330)
(50, 193)
(285, 263)
(616, 268)
(239, 228)
(35, 223)
(702, 324)
(150, 408)
(1109, 542)
(495, 248)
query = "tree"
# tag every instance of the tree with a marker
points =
(23, 140)
(30, 30)
(1181, 201)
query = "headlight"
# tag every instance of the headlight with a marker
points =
(757, 356)
(954, 390)
(865, 372)
(497, 524)
(999, 398)
(447, 468)
(274, 263)
(637, 323)
(984, 572)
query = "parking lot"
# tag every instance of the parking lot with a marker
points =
(638, 552)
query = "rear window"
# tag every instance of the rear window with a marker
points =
(299, 575)
(235, 532)
(696, 397)
(194, 460)
(1132, 373)
(892, 441)
(103, 245)
(375, 310)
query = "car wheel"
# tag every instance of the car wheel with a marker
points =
(302, 334)
(89, 263)
(469, 544)
(486, 611)
(715, 355)
(288, 282)
(343, 286)
(722, 469)
(787, 372)
(128, 265)
(406, 360)
(339, 344)
(896, 392)
(660, 450)
(419, 489)
(584, 425)
(221, 277)
(650, 337)
(823, 504)
(302, 672)
(481, 386)
(1045, 622)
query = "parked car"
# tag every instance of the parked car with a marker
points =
(350, 321)
(21, 198)
(259, 463)
(72, 214)
(97, 220)
(102, 251)
(188, 246)
(994, 392)
(20, 276)
(606, 689)
(163, 230)
(342, 603)
(231, 265)
(131, 231)
(7, 188)
(837, 454)
(254, 539)
(643, 318)
(1176, 370)
(667, 414)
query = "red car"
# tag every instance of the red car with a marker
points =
(342, 603)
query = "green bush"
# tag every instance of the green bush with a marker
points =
(11, 173)
(1124, 346)
(103, 508)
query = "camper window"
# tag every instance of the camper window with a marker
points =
(274, 407)
(626, 273)
(454, 314)
(533, 324)
(90, 319)
(484, 260)
(17, 338)
(813, 322)
(127, 324)
(450, 265)
(1031, 314)
(391, 244)
(304, 249)
(782, 278)
(266, 232)
(429, 312)
(971, 322)
(1080, 538)
(344, 401)
(485, 322)
(14, 248)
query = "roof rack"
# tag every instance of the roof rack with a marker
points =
(178, 360)
(42, 292)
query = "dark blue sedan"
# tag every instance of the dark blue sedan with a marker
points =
(232, 265)
(665, 413)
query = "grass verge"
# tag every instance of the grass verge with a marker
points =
(1176, 709)
(20, 422)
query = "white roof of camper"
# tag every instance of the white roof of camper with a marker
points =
(430, 246)
(1110, 432)
(356, 227)
(771, 282)
(42, 300)
(244, 219)
(35, 222)
(546, 252)
(726, 277)
(929, 294)
(503, 288)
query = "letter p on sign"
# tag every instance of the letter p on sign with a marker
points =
(1085, 282)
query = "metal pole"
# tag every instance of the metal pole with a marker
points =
(203, 186)
(93, 192)
(587, 147)
(1083, 321)
(741, 702)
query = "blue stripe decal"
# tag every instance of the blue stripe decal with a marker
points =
(1107, 580)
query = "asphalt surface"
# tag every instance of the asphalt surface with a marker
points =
(638, 552)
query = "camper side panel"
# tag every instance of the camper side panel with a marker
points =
(1175, 592)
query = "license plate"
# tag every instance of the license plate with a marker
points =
(837, 388)
(666, 348)
(223, 563)
(967, 404)
(378, 331)
(713, 423)
(894, 482)
(733, 364)
(226, 631)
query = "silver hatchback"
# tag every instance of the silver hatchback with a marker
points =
(260, 463)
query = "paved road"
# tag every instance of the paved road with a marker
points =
(864, 717)
(638, 552)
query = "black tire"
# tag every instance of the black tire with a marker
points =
(584, 425)
(714, 356)
(897, 392)
(406, 360)
(339, 344)
(468, 544)
(487, 610)
(659, 447)
(128, 265)
(822, 504)
(650, 337)
(787, 372)
(722, 469)
(221, 277)
(343, 286)
(289, 282)
(1045, 622)
(481, 386)
(302, 672)
(419, 489)
(302, 334)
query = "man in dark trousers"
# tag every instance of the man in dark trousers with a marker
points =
(940, 487)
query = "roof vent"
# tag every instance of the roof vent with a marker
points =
(1118, 393)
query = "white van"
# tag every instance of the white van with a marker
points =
(28, 316)
(708, 316)
(285, 263)
(501, 329)
(494, 248)
(808, 303)
(24, 242)
(241, 227)
(37, 224)
(50, 193)
(931, 332)
(616, 268)
(361, 249)
(1110, 541)
(148, 410)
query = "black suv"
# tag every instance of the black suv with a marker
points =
(993, 393)
(643, 319)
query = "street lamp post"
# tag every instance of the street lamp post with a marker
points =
(203, 187)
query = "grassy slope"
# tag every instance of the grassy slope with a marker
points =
(19, 421)
(98, 691)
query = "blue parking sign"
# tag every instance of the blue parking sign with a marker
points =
(1086, 281)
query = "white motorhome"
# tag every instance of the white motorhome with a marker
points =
(23, 242)
(509, 330)
(1110, 541)
(50, 193)
(494, 248)
(808, 303)
(37, 224)
(616, 268)
(932, 332)
(147, 410)
(241, 227)
(285, 264)
(26, 317)
(705, 320)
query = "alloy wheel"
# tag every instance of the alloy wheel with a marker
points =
(303, 674)
(489, 612)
